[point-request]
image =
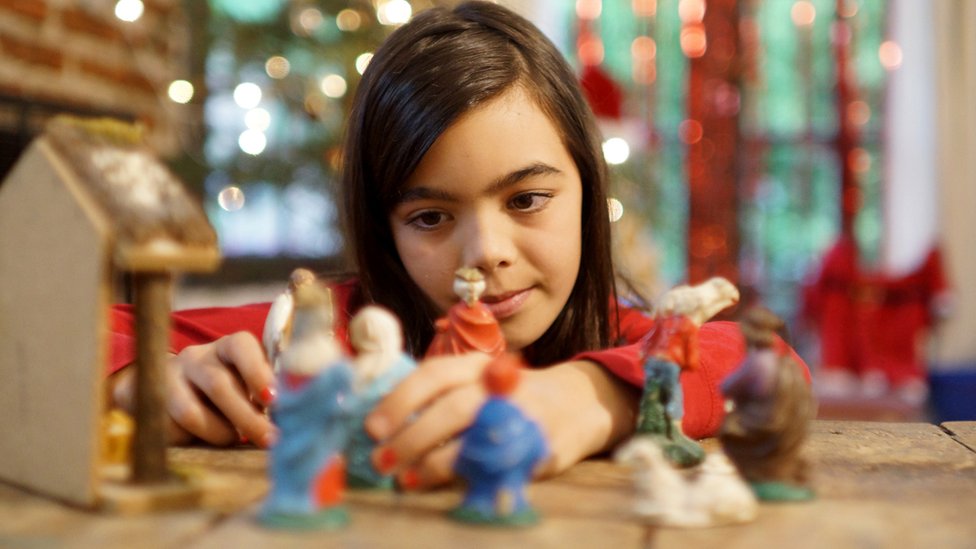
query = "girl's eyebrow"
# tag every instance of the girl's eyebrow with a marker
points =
(498, 185)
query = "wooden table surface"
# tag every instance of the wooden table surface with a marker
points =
(878, 484)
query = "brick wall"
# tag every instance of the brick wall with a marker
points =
(76, 55)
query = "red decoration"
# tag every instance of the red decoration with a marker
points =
(712, 134)
(604, 95)
(870, 322)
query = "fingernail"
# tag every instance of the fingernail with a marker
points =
(386, 460)
(377, 426)
(243, 440)
(409, 479)
(268, 395)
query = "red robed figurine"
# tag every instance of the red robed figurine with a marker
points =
(468, 325)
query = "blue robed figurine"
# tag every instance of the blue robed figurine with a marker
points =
(499, 452)
(380, 364)
(306, 465)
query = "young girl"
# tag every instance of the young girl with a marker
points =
(470, 145)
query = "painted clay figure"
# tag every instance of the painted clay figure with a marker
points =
(278, 324)
(380, 364)
(306, 464)
(468, 325)
(671, 347)
(116, 442)
(499, 452)
(772, 405)
(712, 494)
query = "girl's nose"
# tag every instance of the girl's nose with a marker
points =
(487, 243)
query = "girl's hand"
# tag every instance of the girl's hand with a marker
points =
(210, 392)
(580, 407)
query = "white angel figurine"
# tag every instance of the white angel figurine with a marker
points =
(379, 364)
(277, 325)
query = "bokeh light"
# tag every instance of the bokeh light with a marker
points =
(252, 142)
(691, 11)
(644, 8)
(858, 112)
(588, 9)
(803, 13)
(231, 198)
(394, 12)
(847, 8)
(643, 48)
(693, 40)
(180, 91)
(247, 95)
(363, 61)
(349, 20)
(333, 86)
(890, 55)
(129, 10)
(616, 150)
(690, 131)
(590, 50)
(616, 208)
(277, 67)
(859, 160)
(257, 119)
(310, 19)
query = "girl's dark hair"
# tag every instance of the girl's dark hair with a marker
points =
(424, 76)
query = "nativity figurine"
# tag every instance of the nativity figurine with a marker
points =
(771, 407)
(499, 452)
(380, 364)
(306, 464)
(468, 325)
(278, 324)
(670, 348)
(712, 494)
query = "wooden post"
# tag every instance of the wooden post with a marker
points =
(152, 308)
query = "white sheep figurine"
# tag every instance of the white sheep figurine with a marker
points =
(712, 494)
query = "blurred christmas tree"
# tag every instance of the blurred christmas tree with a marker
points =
(274, 81)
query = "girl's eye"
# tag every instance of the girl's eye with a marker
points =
(529, 202)
(428, 220)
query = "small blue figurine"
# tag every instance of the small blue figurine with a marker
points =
(499, 452)
(380, 364)
(306, 464)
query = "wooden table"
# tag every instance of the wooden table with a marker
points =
(879, 485)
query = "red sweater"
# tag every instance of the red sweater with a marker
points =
(721, 349)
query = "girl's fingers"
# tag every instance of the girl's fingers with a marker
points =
(435, 469)
(439, 422)
(175, 434)
(193, 416)
(242, 352)
(431, 379)
(224, 391)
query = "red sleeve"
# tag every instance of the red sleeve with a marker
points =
(189, 327)
(721, 348)
(199, 326)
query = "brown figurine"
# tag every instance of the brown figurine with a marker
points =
(772, 403)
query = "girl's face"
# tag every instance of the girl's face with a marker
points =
(497, 191)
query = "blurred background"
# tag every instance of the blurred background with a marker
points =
(818, 153)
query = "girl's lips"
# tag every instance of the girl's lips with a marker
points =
(506, 305)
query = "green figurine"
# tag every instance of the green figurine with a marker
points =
(670, 348)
